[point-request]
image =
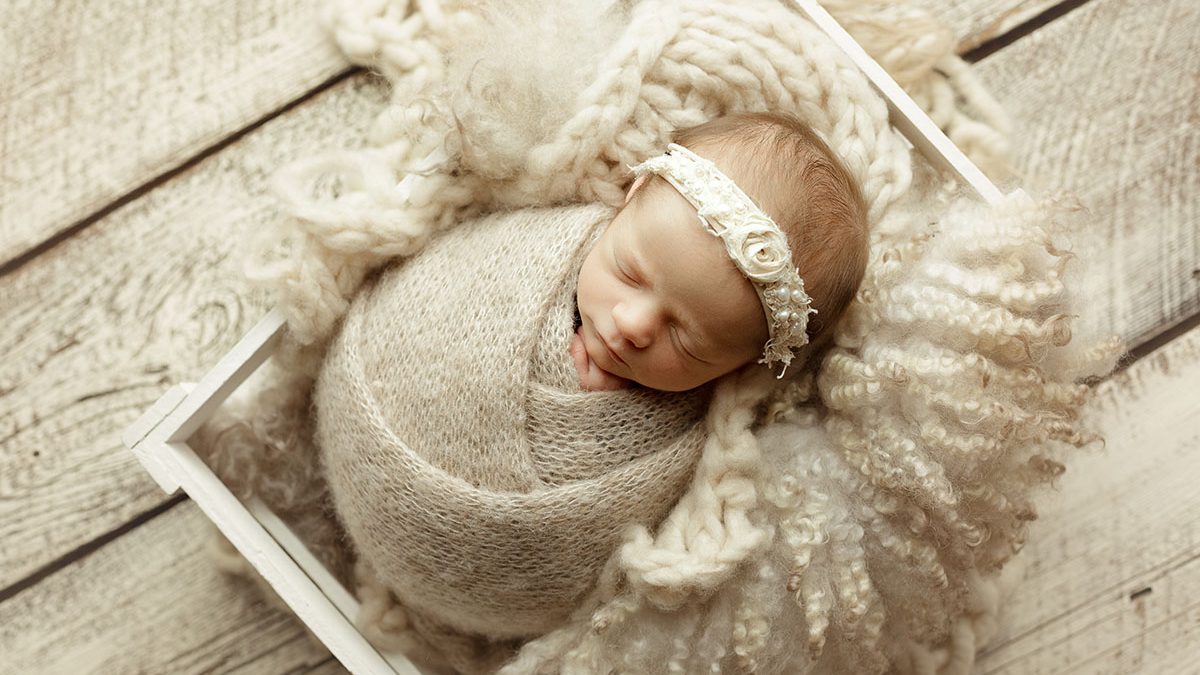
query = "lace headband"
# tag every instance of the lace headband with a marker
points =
(755, 243)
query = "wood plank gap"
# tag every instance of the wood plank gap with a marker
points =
(1146, 577)
(89, 547)
(156, 181)
(993, 45)
(1149, 345)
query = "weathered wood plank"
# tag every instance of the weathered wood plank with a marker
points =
(98, 327)
(99, 98)
(1113, 577)
(1105, 104)
(152, 602)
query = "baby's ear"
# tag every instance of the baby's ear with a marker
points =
(636, 184)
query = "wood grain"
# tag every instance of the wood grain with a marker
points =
(95, 329)
(152, 602)
(1112, 583)
(101, 97)
(330, 667)
(1105, 105)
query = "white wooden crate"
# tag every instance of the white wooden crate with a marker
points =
(160, 436)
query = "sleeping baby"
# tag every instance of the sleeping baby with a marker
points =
(476, 417)
(660, 299)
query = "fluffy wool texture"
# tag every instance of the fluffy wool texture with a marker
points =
(852, 520)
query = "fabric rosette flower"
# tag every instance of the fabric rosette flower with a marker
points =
(760, 250)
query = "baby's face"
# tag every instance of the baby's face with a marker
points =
(661, 302)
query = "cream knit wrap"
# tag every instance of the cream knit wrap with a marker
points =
(484, 486)
(849, 521)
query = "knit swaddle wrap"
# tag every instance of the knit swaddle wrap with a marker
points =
(482, 485)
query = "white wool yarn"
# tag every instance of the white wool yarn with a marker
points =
(865, 510)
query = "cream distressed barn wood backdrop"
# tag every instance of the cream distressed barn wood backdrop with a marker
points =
(135, 140)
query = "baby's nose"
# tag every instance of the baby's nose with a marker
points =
(636, 322)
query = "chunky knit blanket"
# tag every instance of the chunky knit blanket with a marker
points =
(852, 519)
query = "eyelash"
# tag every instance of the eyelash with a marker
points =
(679, 344)
(628, 277)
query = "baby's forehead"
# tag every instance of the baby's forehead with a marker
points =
(671, 228)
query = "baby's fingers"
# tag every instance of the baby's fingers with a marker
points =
(579, 355)
(602, 380)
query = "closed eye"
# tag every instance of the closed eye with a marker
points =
(679, 345)
(621, 270)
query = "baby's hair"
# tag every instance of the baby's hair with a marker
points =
(796, 179)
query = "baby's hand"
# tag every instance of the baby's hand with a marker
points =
(591, 377)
